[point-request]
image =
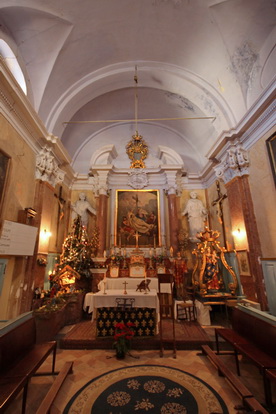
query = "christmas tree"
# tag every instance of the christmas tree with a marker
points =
(76, 251)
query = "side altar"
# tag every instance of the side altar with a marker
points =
(215, 281)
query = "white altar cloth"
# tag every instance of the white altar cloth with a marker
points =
(101, 300)
(117, 283)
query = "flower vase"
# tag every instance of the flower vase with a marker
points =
(120, 354)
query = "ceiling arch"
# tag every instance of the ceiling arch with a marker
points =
(195, 59)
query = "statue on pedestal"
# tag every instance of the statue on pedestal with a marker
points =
(197, 216)
(81, 208)
(207, 272)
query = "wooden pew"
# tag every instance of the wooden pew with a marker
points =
(46, 404)
(20, 358)
(248, 400)
(255, 339)
(270, 375)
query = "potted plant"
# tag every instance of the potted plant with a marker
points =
(123, 336)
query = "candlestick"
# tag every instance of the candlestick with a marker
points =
(104, 283)
(125, 292)
(145, 293)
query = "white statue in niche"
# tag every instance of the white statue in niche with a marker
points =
(197, 215)
(81, 208)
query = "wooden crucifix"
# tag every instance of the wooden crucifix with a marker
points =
(61, 203)
(218, 202)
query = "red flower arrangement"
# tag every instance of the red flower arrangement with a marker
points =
(123, 336)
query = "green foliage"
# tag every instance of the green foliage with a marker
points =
(77, 251)
(123, 336)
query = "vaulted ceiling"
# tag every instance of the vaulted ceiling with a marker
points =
(207, 61)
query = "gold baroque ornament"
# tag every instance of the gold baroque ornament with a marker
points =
(137, 151)
(207, 273)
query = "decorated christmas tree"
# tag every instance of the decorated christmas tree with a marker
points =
(95, 242)
(76, 251)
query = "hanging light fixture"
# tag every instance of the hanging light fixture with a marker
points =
(136, 149)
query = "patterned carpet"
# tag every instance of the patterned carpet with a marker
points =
(146, 389)
(189, 335)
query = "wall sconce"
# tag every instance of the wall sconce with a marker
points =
(45, 234)
(239, 234)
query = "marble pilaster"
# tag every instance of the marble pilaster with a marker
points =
(233, 170)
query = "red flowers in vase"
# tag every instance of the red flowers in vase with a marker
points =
(123, 335)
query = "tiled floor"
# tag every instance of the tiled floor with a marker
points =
(91, 363)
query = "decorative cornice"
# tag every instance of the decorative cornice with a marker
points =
(137, 179)
(235, 164)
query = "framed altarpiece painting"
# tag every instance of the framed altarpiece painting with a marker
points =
(271, 148)
(4, 170)
(137, 219)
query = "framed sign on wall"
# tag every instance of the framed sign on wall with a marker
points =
(243, 262)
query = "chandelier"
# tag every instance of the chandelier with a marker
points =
(137, 149)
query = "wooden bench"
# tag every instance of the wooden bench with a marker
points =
(270, 375)
(248, 400)
(255, 339)
(47, 402)
(20, 358)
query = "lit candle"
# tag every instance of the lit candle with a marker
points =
(104, 254)
(171, 251)
(154, 241)
(150, 252)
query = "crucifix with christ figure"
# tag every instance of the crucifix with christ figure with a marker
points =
(61, 205)
(218, 203)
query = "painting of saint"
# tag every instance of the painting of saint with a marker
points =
(137, 214)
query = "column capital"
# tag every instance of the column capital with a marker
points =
(47, 167)
(234, 164)
(99, 182)
(171, 187)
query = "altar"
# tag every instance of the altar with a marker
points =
(132, 283)
(113, 305)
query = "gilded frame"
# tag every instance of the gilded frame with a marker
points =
(271, 147)
(4, 171)
(243, 262)
(137, 214)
